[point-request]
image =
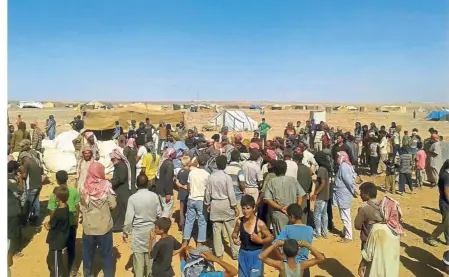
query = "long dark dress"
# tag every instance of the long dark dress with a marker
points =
(131, 155)
(120, 185)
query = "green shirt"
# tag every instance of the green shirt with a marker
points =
(264, 128)
(72, 202)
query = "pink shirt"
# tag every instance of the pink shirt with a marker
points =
(421, 159)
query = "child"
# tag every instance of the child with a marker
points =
(73, 204)
(291, 267)
(251, 234)
(164, 250)
(296, 230)
(369, 213)
(421, 157)
(58, 232)
(374, 155)
(390, 180)
(405, 171)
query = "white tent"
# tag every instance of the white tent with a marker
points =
(234, 120)
(30, 104)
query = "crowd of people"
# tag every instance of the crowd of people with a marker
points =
(258, 192)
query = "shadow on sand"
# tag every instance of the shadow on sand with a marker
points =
(334, 268)
(426, 264)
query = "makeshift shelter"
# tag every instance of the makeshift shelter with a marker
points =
(440, 115)
(387, 109)
(176, 107)
(30, 104)
(49, 105)
(234, 120)
(254, 107)
(105, 119)
(351, 108)
(276, 107)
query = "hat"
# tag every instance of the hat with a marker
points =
(133, 121)
(190, 131)
(224, 129)
(201, 139)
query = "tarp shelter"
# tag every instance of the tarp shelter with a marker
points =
(234, 120)
(105, 119)
(49, 105)
(176, 107)
(351, 108)
(254, 107)
(438, 115)
(92, 105)
(30, 104)
(392, 109)
(276, 107)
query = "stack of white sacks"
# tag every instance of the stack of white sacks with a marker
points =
(59, 154)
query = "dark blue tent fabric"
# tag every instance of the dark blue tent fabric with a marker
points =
(437, 115)
(254, 107)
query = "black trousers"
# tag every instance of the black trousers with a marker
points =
(71, 245)
(56, 263)
(15, 233)
(330, 216)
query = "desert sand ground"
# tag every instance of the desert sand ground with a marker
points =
(421, 212)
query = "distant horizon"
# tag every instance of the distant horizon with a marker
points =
(230, 102)
(271, 51)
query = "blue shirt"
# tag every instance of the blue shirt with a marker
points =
(207, 274)
(297, 232)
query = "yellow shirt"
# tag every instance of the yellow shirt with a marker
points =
(150, 165)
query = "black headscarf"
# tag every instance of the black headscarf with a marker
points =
(322, 160)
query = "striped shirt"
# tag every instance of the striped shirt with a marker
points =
(405, 163)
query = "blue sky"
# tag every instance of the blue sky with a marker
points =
(229, 50)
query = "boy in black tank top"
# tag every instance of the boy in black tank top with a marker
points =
(251, 234)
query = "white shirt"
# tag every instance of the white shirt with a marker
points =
(140, 153)
(197, 182)
(396, 138)
(383, 146)
(253, 174)
(318, 136)
(292, 169)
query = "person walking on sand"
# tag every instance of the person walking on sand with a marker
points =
(51, 129)
(165, 182)
(97, 201)
(222, 204)
(122, 186)
(344, 192)
(280, 192)
(144, 208)
(434, 155)
(443, 188)
(263, 130)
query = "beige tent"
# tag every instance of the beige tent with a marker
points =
(398, 109)
(143, 107)
(105, 119)
(49, 105)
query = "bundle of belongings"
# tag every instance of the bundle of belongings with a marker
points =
(195, 265)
